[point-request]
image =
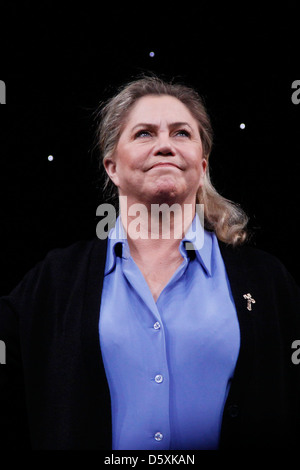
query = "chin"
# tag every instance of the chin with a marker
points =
(165, 194)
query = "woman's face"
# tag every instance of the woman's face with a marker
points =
(159, 155)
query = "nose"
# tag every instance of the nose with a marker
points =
(164, 147)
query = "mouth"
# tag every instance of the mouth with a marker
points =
(164, 164)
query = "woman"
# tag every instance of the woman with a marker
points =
(147, 341)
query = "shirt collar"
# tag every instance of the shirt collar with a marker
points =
(196, 239)
(117, 245)
(200, 241)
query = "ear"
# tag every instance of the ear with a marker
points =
(203, 173)
(111, 169)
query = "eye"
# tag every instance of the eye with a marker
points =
(182, 133)
(142, 133)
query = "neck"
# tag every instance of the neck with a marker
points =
(155, 228)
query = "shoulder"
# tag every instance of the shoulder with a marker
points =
(262, 266)
(253, 257)
(74, 254)
(63, 266)
(78, 252)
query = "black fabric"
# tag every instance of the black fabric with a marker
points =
(53, 389)
(262, 410)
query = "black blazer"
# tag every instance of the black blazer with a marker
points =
(53, 388)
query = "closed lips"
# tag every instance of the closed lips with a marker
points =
(164, 164)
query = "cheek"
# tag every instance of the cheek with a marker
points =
(197, 163)
(197, 169)
(131, 159)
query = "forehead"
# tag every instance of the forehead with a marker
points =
(152, 108)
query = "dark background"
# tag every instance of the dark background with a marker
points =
(60, 61)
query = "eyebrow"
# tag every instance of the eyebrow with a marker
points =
(172, 125)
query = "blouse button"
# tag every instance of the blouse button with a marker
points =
(158, 379)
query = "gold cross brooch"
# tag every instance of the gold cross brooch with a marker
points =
(250, 301)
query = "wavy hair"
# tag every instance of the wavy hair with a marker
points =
(224, 217)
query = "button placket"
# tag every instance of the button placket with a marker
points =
(160, 380)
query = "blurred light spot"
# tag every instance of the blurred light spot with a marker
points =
(151, 54)
(50, 158)
(242, 125)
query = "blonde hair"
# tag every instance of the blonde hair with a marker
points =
(221, 215)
